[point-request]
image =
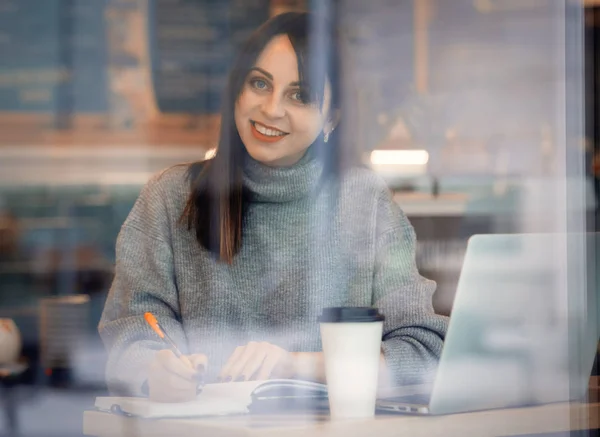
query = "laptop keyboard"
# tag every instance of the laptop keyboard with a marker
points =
(419, 399)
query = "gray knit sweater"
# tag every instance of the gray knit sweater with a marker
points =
(306, 246)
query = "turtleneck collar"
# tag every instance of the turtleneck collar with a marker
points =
(282, 184)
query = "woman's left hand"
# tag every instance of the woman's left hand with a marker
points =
(258, 361)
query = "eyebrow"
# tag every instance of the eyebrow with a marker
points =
(270, 76)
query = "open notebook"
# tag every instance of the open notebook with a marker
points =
(224, 399)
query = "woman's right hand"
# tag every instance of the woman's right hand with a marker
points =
(172, 379)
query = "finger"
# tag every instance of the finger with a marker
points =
(186, 361)
(255, 362)
(225, 371)
(199, 362)
(177, 383)
(166, 381)
(238, 366)
(267, 367)
(170, 363)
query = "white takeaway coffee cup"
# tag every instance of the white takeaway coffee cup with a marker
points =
(351, 338)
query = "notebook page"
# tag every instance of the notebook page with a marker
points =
(215, 400)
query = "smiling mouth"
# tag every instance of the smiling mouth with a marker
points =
(264, 133)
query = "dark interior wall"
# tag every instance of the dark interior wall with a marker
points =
(592, 73)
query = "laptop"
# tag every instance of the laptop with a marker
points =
(516, 337)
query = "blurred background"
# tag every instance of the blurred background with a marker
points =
(482, 115)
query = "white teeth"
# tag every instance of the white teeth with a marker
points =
(269, 132)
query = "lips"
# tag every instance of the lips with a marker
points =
(266, 133)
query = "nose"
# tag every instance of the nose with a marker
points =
(272, 106)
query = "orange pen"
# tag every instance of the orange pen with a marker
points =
(151, 320)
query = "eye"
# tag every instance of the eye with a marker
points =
(259, 84)
(301, 96)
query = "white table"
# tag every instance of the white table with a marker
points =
(543, 419)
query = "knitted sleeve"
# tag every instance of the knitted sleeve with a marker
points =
(144, 281)
(413, 334)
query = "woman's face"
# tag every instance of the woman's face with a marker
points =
(274, 119)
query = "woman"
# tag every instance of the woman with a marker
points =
(238, 255)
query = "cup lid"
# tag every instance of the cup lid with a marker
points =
(350, 315)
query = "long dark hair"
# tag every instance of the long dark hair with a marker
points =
(217, 203)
